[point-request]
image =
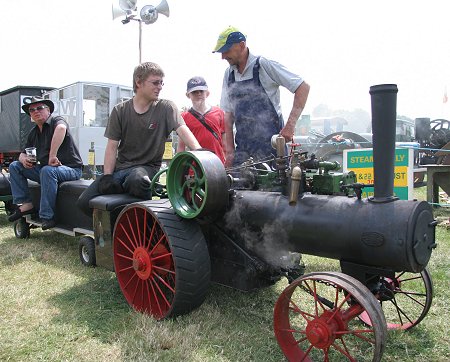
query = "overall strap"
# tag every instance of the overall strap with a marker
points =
(256, 72)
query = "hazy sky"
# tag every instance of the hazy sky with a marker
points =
(340, 47)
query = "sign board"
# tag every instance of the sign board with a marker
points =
(168, 151)
(360, 161)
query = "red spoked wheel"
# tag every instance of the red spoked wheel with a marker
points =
(316, 319)
(405, 299)
(161, 260)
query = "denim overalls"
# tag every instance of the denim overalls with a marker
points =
(255, 117)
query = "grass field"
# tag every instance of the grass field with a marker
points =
(54, 309)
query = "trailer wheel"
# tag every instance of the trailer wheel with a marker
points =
(315, 319)
(197, 184)
(161, 260)
(405, 300)
(21, 229)
(86, 248)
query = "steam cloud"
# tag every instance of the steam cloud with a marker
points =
(270, 243)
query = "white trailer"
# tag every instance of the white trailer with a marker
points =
(86, 107)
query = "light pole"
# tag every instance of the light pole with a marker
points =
(148, 15)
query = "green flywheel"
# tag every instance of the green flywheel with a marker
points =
(197, 184)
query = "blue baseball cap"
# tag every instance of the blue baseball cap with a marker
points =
(227, 38)
(195, 84)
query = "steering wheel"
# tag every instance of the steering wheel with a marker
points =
(333, 151)
(440, 132)
(157, 187)
(437, 124)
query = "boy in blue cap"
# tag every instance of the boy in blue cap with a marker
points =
(205, 122)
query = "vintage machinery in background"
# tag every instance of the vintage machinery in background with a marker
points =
(332, 146)
(429, 138)
(247, 227)
(433, 137)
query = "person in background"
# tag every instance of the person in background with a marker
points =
(53, 158)
(206, 122)
(251, 99)
(137, 131)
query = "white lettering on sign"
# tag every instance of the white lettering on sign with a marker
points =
(67, 107)
(64, 107)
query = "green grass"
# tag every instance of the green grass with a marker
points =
(54, 309)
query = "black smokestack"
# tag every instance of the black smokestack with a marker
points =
(384, 114)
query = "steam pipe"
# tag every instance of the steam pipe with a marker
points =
(281, 161)
(280, 146)
(384, 114)
(296, 179)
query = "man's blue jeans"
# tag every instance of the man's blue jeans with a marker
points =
(48, 176)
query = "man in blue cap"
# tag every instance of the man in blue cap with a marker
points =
(251, 99)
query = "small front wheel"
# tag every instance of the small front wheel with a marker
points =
(315, 319)
(21, 229)
(87, 251)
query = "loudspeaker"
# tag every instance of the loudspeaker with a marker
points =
(128, 5)
(163, 8)
(149, 13)
(117, 12)
(124, 8)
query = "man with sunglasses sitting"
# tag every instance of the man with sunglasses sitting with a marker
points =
(137, 131)
(52, 158)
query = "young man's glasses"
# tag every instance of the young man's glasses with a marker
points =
(38, 108)
(156, 82)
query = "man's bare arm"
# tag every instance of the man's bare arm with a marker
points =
(300, 97)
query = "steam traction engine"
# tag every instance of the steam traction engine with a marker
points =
(246, 227)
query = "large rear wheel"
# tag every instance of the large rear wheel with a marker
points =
(161, 260)
(316, 319)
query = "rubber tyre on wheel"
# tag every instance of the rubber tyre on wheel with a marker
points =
(86, 248)
(161, 260)
(21, 229)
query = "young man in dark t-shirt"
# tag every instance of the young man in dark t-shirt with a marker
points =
(137, 131)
